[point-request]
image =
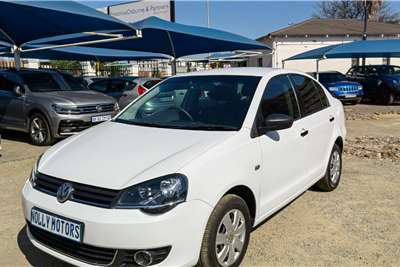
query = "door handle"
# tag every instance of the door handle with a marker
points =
(304, 132)
(331, 118)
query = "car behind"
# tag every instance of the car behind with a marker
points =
(338, 85)
(48, 104)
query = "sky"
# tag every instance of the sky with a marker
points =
(248, 18)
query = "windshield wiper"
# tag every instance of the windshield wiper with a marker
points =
(215, 127)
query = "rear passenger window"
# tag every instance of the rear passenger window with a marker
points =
(279, 98)
(307, 94)
(324, 99)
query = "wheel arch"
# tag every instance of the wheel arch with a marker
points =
(248, 196)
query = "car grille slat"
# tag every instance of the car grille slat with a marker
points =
(85, 194)
(80, 251)
(95, 108)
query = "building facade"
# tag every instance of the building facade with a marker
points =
(316, 33)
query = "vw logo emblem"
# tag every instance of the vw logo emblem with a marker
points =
(64, 192)
(99, 108)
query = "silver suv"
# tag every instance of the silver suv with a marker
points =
(49, 104)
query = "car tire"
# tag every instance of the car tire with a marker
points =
(355, 102)
(39, 130)
(387, 97)
(333, 173)
(234, 235)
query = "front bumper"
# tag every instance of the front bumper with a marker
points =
(181, 228)
(65, 125)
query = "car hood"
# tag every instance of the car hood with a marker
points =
(341, 83)
(75, 97)
(115, 155)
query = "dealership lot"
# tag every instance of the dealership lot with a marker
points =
(353, 226)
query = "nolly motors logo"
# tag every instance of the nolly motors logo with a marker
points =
(64, 192)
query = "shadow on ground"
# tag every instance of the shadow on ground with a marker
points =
(34, 256)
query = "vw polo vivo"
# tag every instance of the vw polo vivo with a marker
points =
(182, 175)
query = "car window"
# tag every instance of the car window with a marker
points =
(330, 77)
(279, 98)
(151, 83)
(73, 83)
(40, 82)
(100, 86)
(117, 86)
(6, 85)
(308, 96)
(324, 99)
(216, 102)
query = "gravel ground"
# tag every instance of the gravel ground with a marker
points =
(356, 225)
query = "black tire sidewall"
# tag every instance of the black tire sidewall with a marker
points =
(328, 171)
(227, 203)
(49, 138)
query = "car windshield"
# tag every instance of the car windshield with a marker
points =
(40, 82)
(331, 77)
(75, 84)
(216, 102)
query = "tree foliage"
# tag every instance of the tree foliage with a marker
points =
(353, 9)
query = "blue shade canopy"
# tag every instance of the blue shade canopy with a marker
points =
(356, 49)
(88, 53)
(174, 39)
(24, 21)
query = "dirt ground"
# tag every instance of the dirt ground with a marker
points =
(356, 225)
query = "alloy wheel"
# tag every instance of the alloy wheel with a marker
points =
(230, 238)
(38, 130)
(334, 170)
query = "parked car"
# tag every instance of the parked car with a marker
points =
(48, 104)
(381, 83)
(123, 89)
(186, 184)
(340, 87)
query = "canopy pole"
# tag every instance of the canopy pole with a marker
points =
(173, 62)
(317, 69)
(283, 64)
(17, 57)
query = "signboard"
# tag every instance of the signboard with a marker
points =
(135, 11)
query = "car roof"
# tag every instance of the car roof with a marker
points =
(31, 71)
(244, 71)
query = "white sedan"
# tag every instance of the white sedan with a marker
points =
(182, 175)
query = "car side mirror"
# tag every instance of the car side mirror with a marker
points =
(275, 122)
(19, 90)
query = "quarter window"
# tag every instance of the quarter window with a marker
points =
(279, 98)
(307, 94)
(324, 99)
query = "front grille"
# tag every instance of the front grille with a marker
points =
(86, 194)
(87, 253)
(96, 108)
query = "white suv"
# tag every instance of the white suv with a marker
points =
(182, 175)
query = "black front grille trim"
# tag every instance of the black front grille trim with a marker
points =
(79, 251)
(85, 194)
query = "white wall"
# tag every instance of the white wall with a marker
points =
(284, 48)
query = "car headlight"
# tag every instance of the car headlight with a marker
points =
(34, 172)
(66, 109)
(360, 87)
(116, 106)
(155, 196)
(333, 89)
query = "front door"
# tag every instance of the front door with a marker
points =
(12, 106)
(283, 150)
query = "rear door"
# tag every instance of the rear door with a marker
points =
(283, 150)
(12, 106)
(317, 124)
